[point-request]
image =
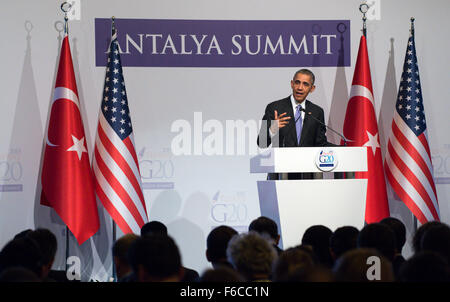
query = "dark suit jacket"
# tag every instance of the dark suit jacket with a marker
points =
(313, 133)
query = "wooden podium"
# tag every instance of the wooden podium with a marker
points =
(295, 205)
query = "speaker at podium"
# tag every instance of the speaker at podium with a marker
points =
(297, 204)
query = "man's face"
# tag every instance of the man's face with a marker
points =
(301, 86)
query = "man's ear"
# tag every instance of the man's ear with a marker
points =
(207, 255)
(278, 239)
(313, 87)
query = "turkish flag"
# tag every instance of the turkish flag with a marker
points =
(67, 180)
(361, 129)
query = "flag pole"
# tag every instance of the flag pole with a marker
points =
(364, 8)
(113, 32)
(114, 226)
(65, 7)
(412, 34)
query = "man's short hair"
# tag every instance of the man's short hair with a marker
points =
(343, 240)
(217, 242)
(46, 242)
(399, 230)
(417, 238)
(153, 228)
(378, 236)
(437, 239)
(264, 225)
(306, 72)
(318, 236)
(122, 246)
(158, 255)
(22, 252)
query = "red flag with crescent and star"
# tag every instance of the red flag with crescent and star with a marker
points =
(67, 181)
(361, 129)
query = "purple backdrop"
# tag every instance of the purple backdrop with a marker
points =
(226, 43)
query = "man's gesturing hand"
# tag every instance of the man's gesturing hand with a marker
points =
(280, 121)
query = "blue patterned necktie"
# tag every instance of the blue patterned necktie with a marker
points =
(298, 123)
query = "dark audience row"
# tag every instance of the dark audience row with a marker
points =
(373, 253)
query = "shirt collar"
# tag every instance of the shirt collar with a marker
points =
(295, 103)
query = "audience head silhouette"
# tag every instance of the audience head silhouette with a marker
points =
(120, 251)
(154, 228)
(290, 262)
(22, 252)
(399, 230)
(437, 239)
(252, 256)
(318, 236)
(343, 240)
(265, 226)
(353, 266)
(155, 258)
(417, 238)
(216, 245)
(378, 236)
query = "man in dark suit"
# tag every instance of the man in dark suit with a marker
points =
(293, 121)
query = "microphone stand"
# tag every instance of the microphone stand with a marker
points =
(322, 123)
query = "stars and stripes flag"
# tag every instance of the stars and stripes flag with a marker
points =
(115, 164)
(67, 181)
(408, 162)
(361, 129)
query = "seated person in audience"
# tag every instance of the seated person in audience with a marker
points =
(352, 266)
(267, 228)
(120, 257)
(425, 266)
(22, 233)
(289, 262)
(378, 236)
(156, 258)
(318, 236)
(400, 238)
(221, 274)
(18, 274)
(22, 252)
(216, 246)
(154, 228)
(437, 239)
(158, 228)
(343, 240)
(48, 246)
(417, 238)
(312, 274)
(252, 256)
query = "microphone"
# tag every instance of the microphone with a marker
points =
(309, 113)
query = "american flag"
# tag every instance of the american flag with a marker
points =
(115, 164)
(408, 162)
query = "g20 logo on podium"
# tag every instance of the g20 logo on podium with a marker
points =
(326, 160)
